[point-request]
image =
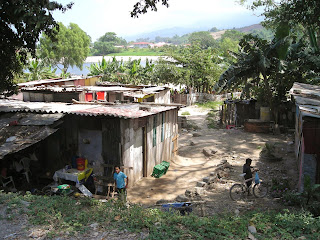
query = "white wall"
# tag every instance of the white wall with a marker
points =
(163, 97)
(91, 150)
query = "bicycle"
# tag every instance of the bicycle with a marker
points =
(239, 191)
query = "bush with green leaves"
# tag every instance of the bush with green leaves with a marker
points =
(279, 187)
(185, 113)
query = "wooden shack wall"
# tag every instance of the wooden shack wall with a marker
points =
(107, 142)
(307, 148)
(132, 143)
(163, 97)
(38, 96)
(236, 113)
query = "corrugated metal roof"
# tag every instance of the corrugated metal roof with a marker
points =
(309, 111)
(46, 81)
(30, 119)
(153, 89)
(137, 94)
(307, 97)
(52, 89)
(77, 89)
(16, 138)
(306, 91)
(21, 130)
(54, 80)
(147, 90)
(108, 89)
(129, 110)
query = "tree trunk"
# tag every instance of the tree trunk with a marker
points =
(65, 68)
(268, 93)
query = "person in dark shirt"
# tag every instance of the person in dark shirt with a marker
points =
(247, 170)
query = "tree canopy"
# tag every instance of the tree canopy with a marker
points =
(21, 23)
(143, 6)
(292, 15)
(106, 44)
(267, 69)
(203, 38)
(70, 48)
(192, 66)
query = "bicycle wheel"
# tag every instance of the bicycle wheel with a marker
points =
(237, 192)
(260, 190)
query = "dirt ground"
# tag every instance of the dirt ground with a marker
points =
(186, 169)
(191, 165)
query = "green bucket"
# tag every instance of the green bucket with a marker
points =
(64, 188)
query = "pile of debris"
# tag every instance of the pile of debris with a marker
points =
(219, 175)
(271, 152)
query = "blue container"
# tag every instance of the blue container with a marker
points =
(74, 161)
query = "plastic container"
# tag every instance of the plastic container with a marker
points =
(265, 114)
(158, 171)
(65, 188)
(81, 164)
(74, 161)
(166, 165)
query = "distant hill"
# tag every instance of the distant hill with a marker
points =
(180, 31)
(168, 32)
(255, 29)
(250, 28)
(217, 35)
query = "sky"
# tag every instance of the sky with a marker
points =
(96, 17)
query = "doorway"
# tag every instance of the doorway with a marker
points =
(144, 151)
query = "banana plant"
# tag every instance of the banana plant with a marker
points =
(97, 68)
(39, 71)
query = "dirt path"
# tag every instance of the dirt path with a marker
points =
(191, 166)
(197, 115)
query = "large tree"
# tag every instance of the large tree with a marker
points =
(71, 47)
(193, 66)
(106, 44)
(203, 38)
(21, 22)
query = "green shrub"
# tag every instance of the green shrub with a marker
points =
(210, 105)
(185, 113)
(279, 187)
(292, 198)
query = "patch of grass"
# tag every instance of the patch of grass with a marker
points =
(185, 113)
(64, 214)
(212, 119)
(210, 105)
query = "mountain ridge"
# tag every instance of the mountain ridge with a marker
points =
(180, 31)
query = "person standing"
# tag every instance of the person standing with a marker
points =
(120, 183)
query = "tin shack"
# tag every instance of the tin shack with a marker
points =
(307, 131)
(134, 135)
